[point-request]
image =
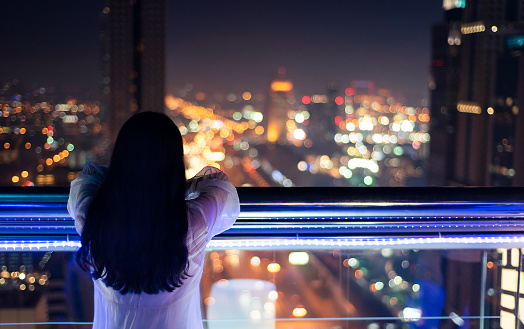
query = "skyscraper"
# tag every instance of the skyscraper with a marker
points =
(445, 68)
(506, 166)
(324, 111)
(469, 90)
(135, 52)
(280, 93)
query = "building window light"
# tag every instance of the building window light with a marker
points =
(515, 42)
(466, 107)
(473, 28)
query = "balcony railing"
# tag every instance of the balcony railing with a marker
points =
(308, 217)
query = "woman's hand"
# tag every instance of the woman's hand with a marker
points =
(92, 168)
(206, 173)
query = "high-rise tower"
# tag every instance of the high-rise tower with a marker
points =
(471, 94)
(135, 52)
(280, 93)
(446, 40)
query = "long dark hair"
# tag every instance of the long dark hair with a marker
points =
(135, 230)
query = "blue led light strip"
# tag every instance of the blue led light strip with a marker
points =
(455, 242)
(45, 245)
(450, 242)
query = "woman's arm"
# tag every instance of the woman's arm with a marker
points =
(216, 199)
(206, 173)
(82, 191)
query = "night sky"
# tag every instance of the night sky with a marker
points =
(52, 43)
(235, 46)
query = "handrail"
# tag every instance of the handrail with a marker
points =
(299, 217)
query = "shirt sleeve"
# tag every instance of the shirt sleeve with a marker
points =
(83, 189)
(212, 195)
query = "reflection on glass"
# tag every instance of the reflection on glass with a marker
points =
(383, 288)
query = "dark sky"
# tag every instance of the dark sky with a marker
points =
(51, 43)
(235, 46)
(240, 46)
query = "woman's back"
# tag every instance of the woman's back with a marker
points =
(212, 207)
(139, 212)
(143, 231)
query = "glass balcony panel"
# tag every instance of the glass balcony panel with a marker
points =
(319, 288)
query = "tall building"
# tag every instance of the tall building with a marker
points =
(134, 39)
(445, 68)
(324, 111)
(507, 121)
(279, 103)
(470, 94)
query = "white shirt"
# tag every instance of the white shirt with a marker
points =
(212, 207)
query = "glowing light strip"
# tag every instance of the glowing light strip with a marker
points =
(255, 231)
(462, 242)
(307, 224)
(39, 245)
(386, 214)
(62, 204)
(371, 225)
(455, 210)
(371, 243)
(301, 209)
(43, 323)
(384, 204)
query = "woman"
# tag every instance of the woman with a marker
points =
(144, 228)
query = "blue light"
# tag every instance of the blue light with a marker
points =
(460, 3)
(46, 245)
(277, 175)
(515, 42)
(455, 242)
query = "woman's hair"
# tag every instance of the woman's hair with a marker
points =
(135, 230)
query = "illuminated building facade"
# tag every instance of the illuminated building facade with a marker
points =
(507, 154)
(135, 42)
(324, 110)
(467, 72)
(445, 63)
(279, 103)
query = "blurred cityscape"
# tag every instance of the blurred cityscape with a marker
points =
(349, 137)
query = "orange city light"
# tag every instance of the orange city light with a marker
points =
(273, 268)
(299, 311)
(281, 85)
